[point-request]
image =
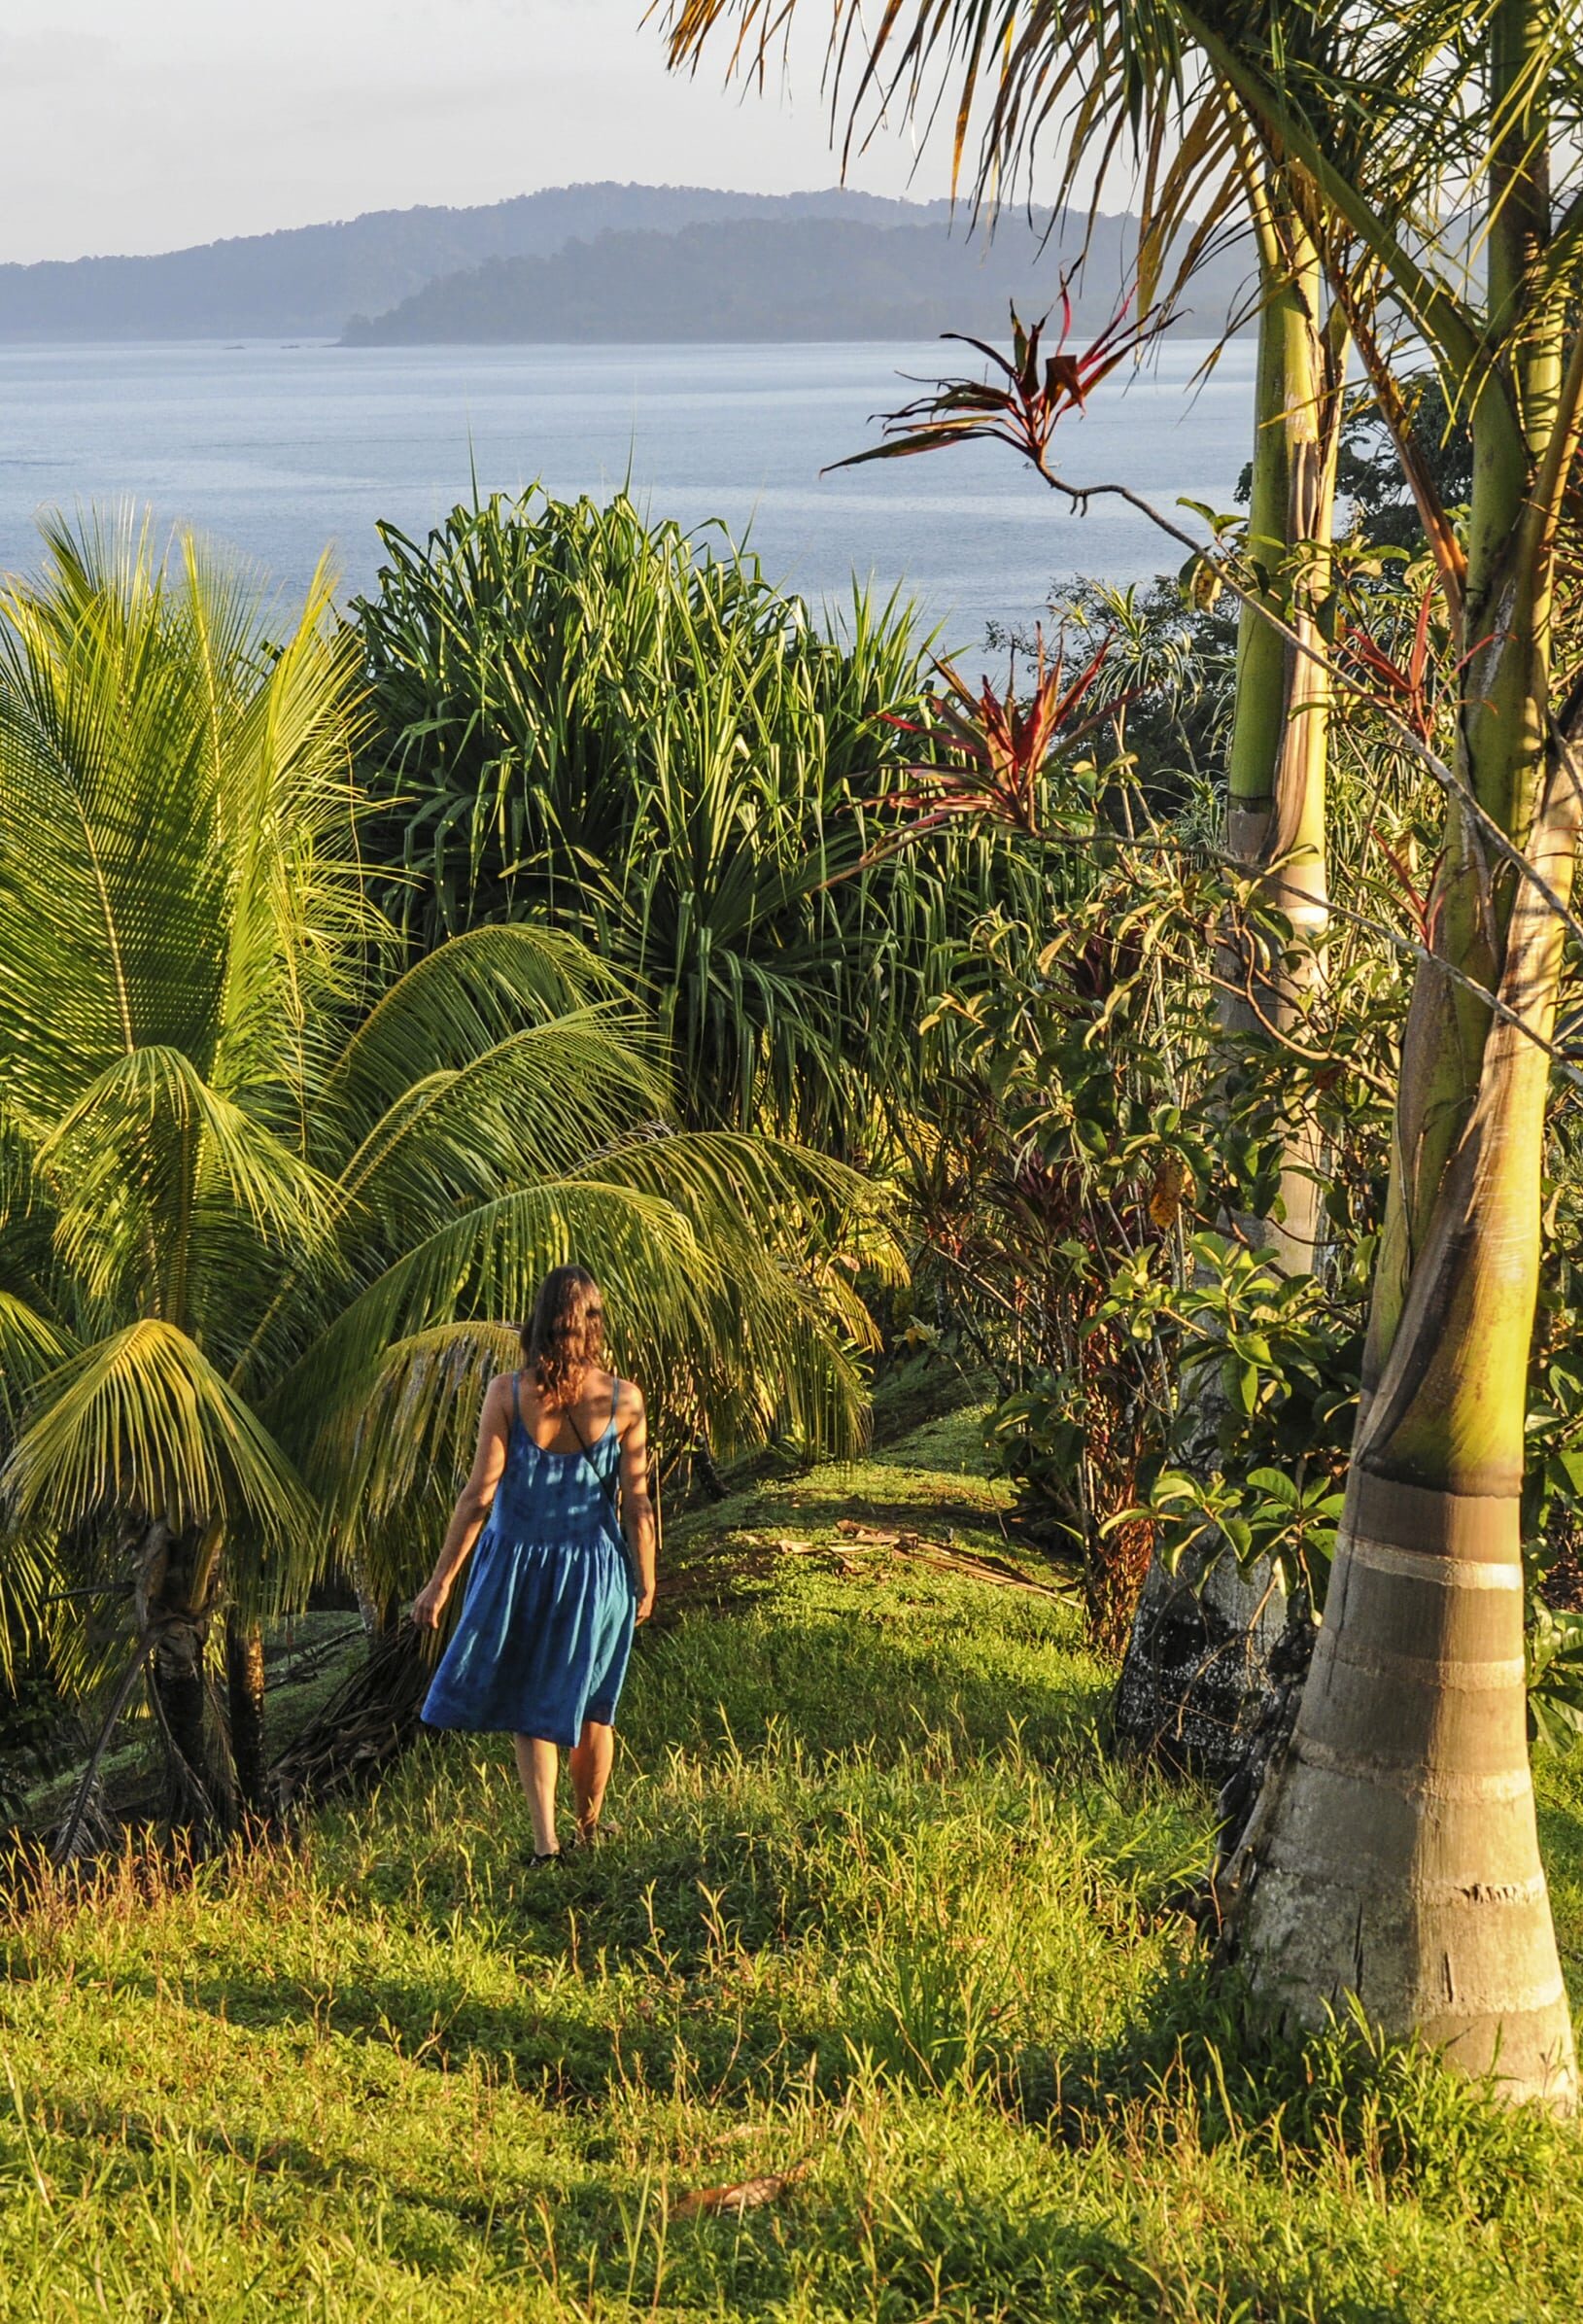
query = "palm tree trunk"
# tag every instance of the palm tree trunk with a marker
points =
(176, 1677)
(1197, 1671)
(1392, 1854)
(245, 1690)
(176, 1575)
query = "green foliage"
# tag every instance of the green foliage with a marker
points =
(1555, 1675)
(577, 713)
(1260, 1357)
(1162, 1380)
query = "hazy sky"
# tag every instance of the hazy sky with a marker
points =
(144, 125)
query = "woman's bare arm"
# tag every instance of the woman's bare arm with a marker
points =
(476, 1499)
(637, 1503)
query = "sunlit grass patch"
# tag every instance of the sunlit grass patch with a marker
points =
(882, 1928)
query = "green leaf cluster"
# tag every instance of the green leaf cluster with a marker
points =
(579, 712)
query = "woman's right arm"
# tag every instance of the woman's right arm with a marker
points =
(476, 1499)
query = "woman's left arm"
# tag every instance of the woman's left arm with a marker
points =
(636, 1502)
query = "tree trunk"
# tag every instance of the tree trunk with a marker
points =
(174, 1592)
(177, 1679)
(245, 1693)
(1392, 1854)
(1198, 1667)
(1193, 1686)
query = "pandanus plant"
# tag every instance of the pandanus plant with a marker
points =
(575, 710)
(270, 1205)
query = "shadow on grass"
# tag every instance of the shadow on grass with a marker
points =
(1201, 2061)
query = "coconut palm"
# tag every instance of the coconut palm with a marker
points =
(268, 1204)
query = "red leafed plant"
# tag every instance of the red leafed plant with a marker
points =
(994, 748)
(1040, 390)
(1407, 685)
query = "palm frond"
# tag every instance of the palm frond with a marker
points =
(533, 1106)
(189, 853)
(450, 1008)
(148, 1145)
(31, 1345)
(489, 1263)
(142, 1422)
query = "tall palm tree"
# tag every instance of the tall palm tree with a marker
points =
(1196, 1670)
(1393, 1853)
(268, 1205)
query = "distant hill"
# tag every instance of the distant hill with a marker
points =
(306, 281)
(779, 278)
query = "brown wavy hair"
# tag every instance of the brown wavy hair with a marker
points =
(565, 1340)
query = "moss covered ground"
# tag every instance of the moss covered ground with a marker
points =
(883, 1940)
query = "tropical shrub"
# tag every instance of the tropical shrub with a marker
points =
(577, 713)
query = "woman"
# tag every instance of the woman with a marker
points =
(541, 1643)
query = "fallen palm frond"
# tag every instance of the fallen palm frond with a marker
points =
(744, 2195)
(369, 1720)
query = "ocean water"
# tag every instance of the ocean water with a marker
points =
(283, 450)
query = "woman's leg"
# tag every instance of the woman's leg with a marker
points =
(591, 1771)
(538, 1766)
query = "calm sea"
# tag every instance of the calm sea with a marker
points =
(282, 449)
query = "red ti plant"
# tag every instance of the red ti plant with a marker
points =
(1404, 681)
(990, 752)
(1039, 391)
(1406, 686)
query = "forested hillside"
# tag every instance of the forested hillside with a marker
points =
(786, 277)
(309, 280)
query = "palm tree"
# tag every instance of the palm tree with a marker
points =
(1392, 1854)
(268, 1204)
(1198, 1666)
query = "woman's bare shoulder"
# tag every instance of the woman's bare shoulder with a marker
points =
(629, 1406)
(499, 1397)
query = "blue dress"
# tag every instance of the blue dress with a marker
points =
(547, 1628)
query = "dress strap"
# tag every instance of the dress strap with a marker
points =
(615, 1406)
(516, 1398)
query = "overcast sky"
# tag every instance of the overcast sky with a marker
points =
(145, 124)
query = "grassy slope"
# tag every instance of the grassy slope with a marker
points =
(879, 1907)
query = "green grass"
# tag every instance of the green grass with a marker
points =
(878, 1908)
